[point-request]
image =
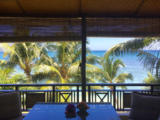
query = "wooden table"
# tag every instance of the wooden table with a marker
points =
(57, 112)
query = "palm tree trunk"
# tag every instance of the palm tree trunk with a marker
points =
(28, 74)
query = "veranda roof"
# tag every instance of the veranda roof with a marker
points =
(105, 8)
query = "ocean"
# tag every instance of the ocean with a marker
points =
(131, 62)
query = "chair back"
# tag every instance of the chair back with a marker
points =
(127, 100)
(33, 98)
(144, 107)
(10, 106)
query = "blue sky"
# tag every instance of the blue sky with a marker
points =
(104, 43)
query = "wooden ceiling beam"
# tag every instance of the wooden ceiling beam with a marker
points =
(139, 7)
(21, 7)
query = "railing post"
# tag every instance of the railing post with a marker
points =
(53, 89)
(77, 94)
(114, 96)
(89, 95)
(16, 88)
(152, 89)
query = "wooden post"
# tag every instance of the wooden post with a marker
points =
(54, 89)
(83, 65)
(114, 96)
(152, 89)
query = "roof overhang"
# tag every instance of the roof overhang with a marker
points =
(69, 29)
(78, 8)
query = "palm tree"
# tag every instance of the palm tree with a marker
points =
(150, 60)
(150, 78)
(9, 76)
(33, 58)
(67, 62)
(110, 69)
(24, 55)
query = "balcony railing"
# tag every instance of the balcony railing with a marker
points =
(72, 93)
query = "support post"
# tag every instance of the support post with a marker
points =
(16, 88)
(152, 89)
(83, 65)
(89, 93)
(114, 96)
(53, 89)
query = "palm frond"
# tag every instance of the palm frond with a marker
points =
(7, 64)
(132, 46)
(149, 60)
(150, 78)
(92, 69)
(122, 77)
(44, 70)
(74, 68)
(116, 65)
(92, 59)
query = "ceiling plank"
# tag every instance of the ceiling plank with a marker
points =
(139, 7)
(20, 7)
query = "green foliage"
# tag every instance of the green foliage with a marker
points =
(151, 79)
(133, 45)
(22, 54)
(110, 69)
(8, 76)
(25, 55)
(67, 62)
(33, 59)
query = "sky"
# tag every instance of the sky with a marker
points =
(104, 43)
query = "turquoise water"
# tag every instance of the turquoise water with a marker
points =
(130, 60)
